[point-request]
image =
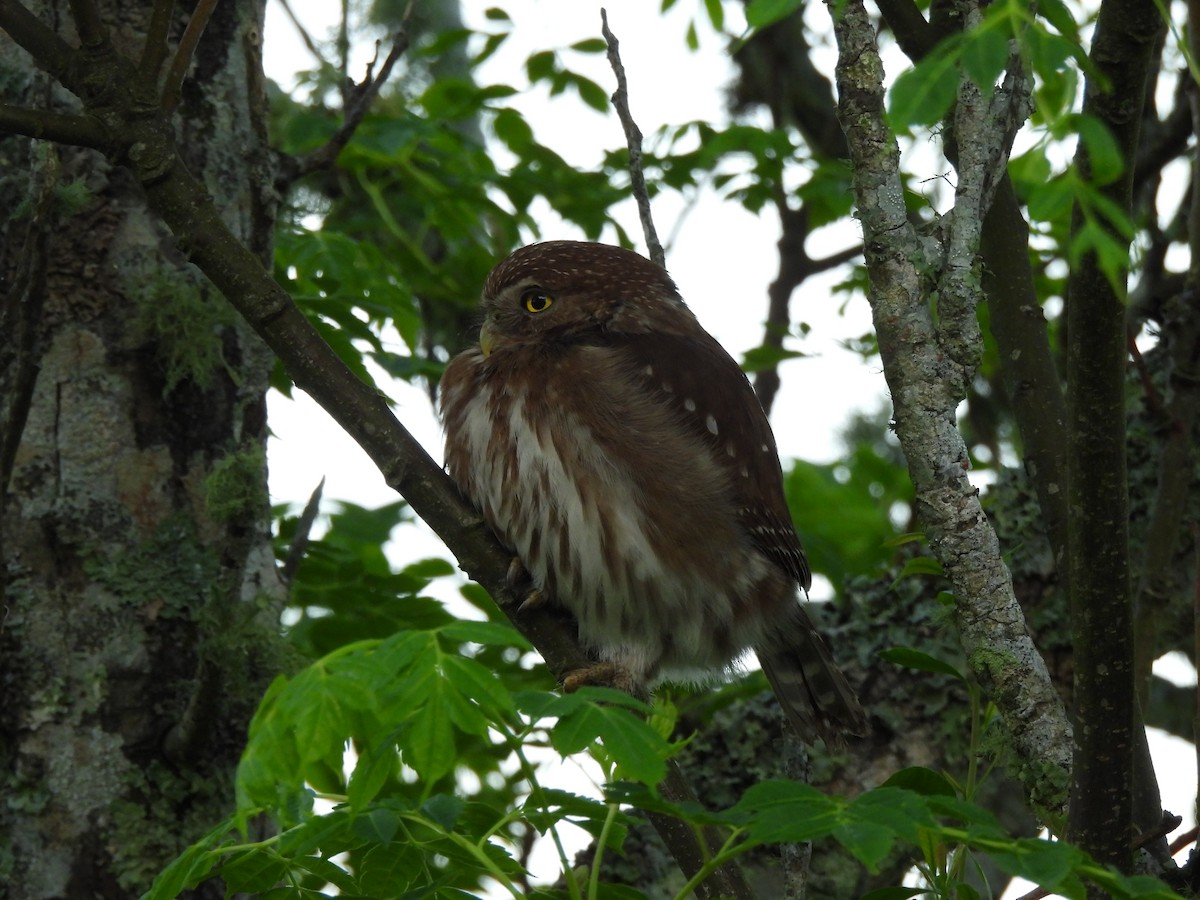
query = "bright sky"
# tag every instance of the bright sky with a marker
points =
(723, 259)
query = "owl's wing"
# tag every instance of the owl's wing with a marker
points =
(707, 391)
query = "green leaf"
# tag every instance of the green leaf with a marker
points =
(895, 893)
(985, 55)
(328, 871)
(192, 866)
(869, 842)
(716, 14)
(921, 780)
(915, 659)
(378, 826)
(479, 684)
(591, 93)
(576, 730)
(919, 565)
(541, 65)
(590, 45)
(429, 739)
(761, 13)
(252, 871)
(443, 809)
(776, 812)
(1103, 153)
(496, 14)
(499, 634)
(373, 770)
(639, 751)
(1045, 863)
(924, 94)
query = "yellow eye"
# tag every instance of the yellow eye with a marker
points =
(536, 301)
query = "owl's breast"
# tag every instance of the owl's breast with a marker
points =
(622, 515)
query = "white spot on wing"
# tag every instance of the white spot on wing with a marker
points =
(689, 404)
(711, 423)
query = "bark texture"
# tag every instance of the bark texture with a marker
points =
(137, 581)
(1101, 811)
(928, 362)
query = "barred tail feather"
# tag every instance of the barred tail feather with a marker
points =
(813, 692)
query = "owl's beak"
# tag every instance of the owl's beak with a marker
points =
(487, 338)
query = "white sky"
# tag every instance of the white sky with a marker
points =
(723, 260)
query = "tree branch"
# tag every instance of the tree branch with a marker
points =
(926, 387)
(146, 146)
(78, 131)
(633, 139)
(293, 168)
(48, 50)
(1101, 812)
(92, 33)
(155, 50)
(173, 83)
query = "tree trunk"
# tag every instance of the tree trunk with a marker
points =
(138, 594)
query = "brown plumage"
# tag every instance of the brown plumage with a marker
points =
(621, 453)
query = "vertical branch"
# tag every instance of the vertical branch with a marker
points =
(926, 370)
(633, 138)
(155, 50)
(173, 83)
(1101, 808)
(91, 29)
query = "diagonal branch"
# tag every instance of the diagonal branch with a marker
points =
(146, 146)
(48, 50)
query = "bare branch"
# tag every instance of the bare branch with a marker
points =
(294, 168)
(633, 139)
(304, 35)
(79, 131)
(92, 31)
(155, 50)
(48, 50)
(1101, 812)
(173, 83)
(926, 387)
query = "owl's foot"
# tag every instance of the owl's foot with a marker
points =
(604, 674)
(519, 580)
(517, 575)
(532, 601)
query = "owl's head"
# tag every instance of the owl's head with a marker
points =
(570, 291)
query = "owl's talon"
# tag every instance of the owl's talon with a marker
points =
(532, 601)
(517, 574)
(605, 674)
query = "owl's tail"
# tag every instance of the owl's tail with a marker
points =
(812, 690)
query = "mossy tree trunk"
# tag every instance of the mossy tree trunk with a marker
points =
(137, 586)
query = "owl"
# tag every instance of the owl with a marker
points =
(621, 454)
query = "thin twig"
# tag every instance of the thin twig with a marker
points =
(173, 84)
(633, 138)
(304, 35)
(294, 168)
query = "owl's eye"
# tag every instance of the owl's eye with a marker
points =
(535, 300)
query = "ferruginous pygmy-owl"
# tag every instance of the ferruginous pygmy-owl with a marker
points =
(621, 453)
